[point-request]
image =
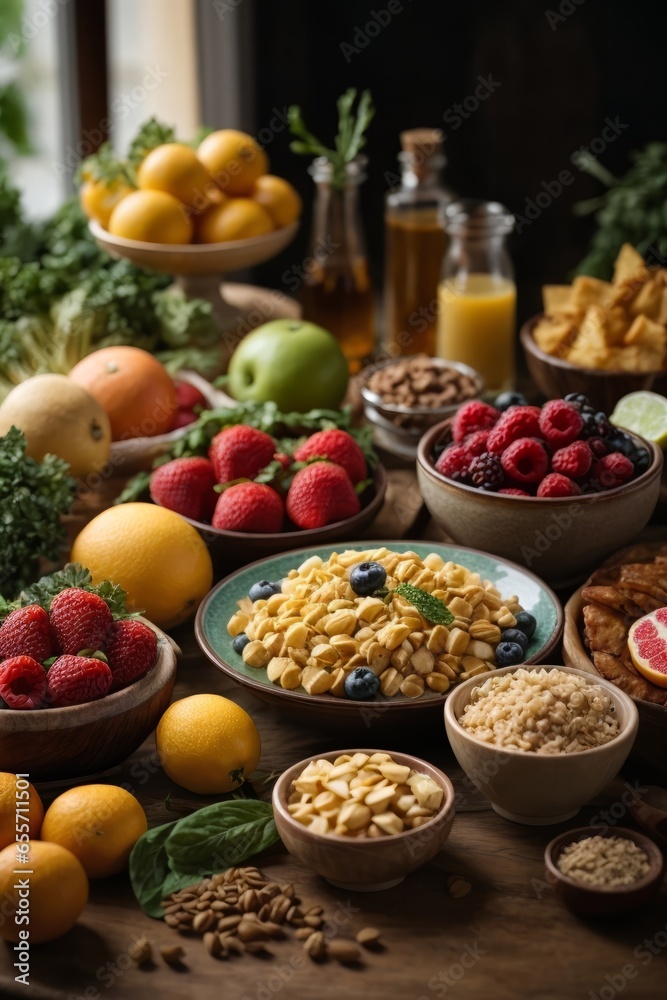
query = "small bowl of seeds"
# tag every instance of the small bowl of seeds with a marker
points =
(403, 397)
(604, 870)
(364, 819)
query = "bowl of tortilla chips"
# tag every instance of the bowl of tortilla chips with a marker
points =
(602, 338)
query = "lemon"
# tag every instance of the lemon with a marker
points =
(643, 413)
(58, 892)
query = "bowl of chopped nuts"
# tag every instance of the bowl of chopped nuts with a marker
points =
(540, 742)
(364, 819)
(403, 397)
(597, 871)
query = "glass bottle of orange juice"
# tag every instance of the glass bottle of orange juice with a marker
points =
(477, 294)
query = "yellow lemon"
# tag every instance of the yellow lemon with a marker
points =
(54, 898)
(152, 217)
(19, 804)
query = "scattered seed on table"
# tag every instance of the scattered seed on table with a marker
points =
(172, 954)
(141, 951)
(458, 887)
(368, 936)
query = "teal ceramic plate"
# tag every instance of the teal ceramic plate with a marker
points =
(221, 603)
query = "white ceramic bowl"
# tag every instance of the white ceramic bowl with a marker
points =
(532, 788)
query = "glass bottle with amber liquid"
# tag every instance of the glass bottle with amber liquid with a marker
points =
(415, 245)
(337, 292)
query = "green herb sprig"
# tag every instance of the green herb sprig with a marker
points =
(432, 608)
(351, 133)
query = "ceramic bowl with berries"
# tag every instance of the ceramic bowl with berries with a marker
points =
(556, 488)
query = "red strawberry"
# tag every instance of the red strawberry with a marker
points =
(188, 396)
(186, 486)
(27, 631)
(249, 507)
(321, 494)
(80, 620)
(183, 418)
(22, 682)
(284, 460)
(131, 651)
(240, 452)
(339, 447)
(73, 680)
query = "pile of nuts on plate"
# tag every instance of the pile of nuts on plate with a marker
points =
(421, 382)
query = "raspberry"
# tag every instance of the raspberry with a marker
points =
(22, 682)
(454, 462)
(131, 651)
(73, 680)
(525, 461)
(475, 443)
(512, 491)
(27, 632)
(515, 423)
(560, 423)
(555, 485)
(613, 470)
(574, 460)
(598, 446)
(486, 471)
(471, 417)
(80, 620)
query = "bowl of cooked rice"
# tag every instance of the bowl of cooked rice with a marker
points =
(540, 742)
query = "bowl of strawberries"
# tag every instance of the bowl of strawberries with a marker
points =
(82, 682)
(556, 488)
(253, 494)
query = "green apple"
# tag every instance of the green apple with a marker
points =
(298, 365)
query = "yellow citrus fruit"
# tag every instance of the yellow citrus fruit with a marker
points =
(176, 169)
(99, 824)
(19, 804)
(207, 744)
(233, 159)
(99, 198)
(153, 553)
(278, 197)
(151, 216)
(233, 219)
(56, 892)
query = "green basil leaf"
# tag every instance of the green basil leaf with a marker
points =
(220, 836)
(432, 608)
(149, 869)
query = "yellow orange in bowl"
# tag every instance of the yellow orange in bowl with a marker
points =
(151, 217)
(233, 159)
(280, 200)
(233, 219)
(175, 168)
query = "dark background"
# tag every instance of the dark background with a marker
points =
(558, 84)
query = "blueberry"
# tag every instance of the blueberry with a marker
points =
(362, 684)
(517, 636)
(526, 622)
(240, 642)
(642, 461)
(262, 590)
(508, 654)
(578, 399)
(367, 577)
(507, 399)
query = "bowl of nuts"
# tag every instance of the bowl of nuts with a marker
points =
(364, 819)
(403, 397)
(540, 742)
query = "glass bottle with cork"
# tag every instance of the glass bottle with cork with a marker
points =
(477, 294)
(415, 244)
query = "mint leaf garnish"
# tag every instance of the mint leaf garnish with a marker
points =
(432, 608)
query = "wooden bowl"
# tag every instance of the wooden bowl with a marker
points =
(240, 547)
(556, 378)
(600, 900)
(560, 539)
(364, 864)
(51, 744)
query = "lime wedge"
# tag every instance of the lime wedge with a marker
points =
(643, 413)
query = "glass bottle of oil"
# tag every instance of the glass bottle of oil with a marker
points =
(414, 245)
(337, 292)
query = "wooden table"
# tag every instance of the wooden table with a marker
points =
(508, 938)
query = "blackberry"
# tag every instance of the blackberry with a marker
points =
(620, 441)
(605, 429)
(486, 471)
(598, 446)
(590, 426)
(578, 400)
(642, 461)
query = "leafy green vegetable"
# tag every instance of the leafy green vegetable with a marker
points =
(151, 134)
(432, 608)
(104, 165)
(350, 139)
(73, 575)
(210, 840)
(631, 211)
(33, 495)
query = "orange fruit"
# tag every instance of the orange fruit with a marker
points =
(233, 219)
(56, 891)
(278, 197)
(233, 159)
(132, 387)
(207, 744)
(99, 824)
(175, 168)
(152, 217)
(19, 804)
(99, 198)
(153, 553)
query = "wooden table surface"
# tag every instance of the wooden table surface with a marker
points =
(508, 938)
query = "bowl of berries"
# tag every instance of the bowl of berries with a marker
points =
(82, 682)
(556, 488)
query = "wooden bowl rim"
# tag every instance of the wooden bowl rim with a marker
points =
(201, 250)
(556, 846)
(528, 343)
(425, 450)
(281, 788)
